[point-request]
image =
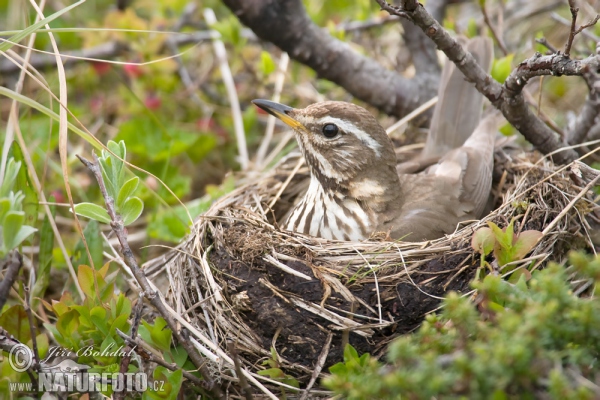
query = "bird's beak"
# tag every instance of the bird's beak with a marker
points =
(278, 110)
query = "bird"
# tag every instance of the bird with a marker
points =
(357, 188)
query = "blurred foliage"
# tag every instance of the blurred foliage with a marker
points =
(535, 339)
(183, 134)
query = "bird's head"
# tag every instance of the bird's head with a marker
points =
(343, 144)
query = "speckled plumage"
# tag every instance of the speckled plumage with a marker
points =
(355, 189)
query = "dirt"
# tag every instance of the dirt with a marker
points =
(301, 334)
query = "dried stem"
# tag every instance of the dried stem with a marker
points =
(13, 262)
(139, 347)
(154, 298)
(574, 11)
(488, 22)
(508, 98)
(246, 390)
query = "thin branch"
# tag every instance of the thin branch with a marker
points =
(544, 42)
(287, 25)
(565, 21)
(591, 108)
(492, 29)
(246, 390)
(140, 347)
(574, 11)
(13, 262)
(508, 98)
(154, 298)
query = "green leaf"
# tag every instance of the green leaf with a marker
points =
(502, 68)
(10, 42)
(131, 210)
(267, 66)
(525, 242)
(4, 207)
(127, 190)
(24, 184)
(117, 164)
(48, 112)
(98, 317)
(502, 237)
(92, 211)
(10, 176)
(85, 276)
(15, 321)
(14, 231)
(483, 241)
(93, 238)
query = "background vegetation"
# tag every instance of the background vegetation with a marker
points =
(165, 96)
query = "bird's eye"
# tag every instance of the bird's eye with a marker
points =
(330, 130)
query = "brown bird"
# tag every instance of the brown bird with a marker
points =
(355, 188)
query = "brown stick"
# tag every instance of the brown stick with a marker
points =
(287, 25)
(13, 262)
(508, 98)
(154, 298)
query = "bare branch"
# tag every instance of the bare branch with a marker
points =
(508, 98)
(13, 262)
(591, 109)
(492, 28)
(286, 24)
(574, 11)
(154, 298)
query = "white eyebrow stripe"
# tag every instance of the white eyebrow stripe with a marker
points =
(349, 127)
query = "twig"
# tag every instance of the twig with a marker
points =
(34, 346)
(246, 390)
(140, 348)
(236, 112)
(544, 42)
(574, 11)
(591, 108)
(582, 193)
(565, 21)
(126, 360)
(154, 298)
(492, 29)
(508, 98)
(13, 262)
(319, 366)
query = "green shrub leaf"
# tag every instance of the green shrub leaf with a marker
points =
(92, 211)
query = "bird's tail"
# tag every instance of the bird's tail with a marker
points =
(459, 106)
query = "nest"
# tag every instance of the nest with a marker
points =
(239, 281)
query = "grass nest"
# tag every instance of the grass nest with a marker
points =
(252, 294)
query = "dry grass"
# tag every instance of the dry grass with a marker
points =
(238, 278)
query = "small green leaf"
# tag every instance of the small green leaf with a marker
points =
(13, 221)
(98, 317)
(85, 276)
(10, 175)
(4, 207)
(502, 239)
(267, 66)
(483, 241)
(131, 210)
(127, 190)
(92, 211)
(502, 68)
(525, 242)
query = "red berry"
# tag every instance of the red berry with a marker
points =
(133, 70)
(101, 68)
(153, 102)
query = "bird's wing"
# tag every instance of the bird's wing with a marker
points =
(470, 166)
(453, 190)
(459, 106)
